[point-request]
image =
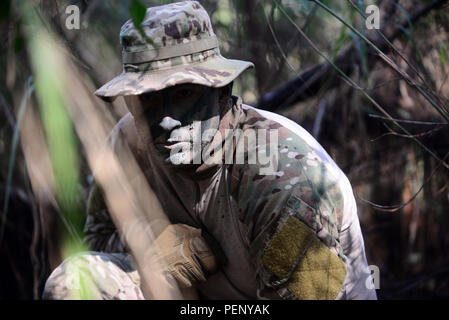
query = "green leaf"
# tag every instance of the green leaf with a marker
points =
(137, 11)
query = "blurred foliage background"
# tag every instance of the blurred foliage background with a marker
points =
(399, 174)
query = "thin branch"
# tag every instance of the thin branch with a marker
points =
(310, 81)
(387, 60)
(374, 102)
(396, 208)
(410, 121)
(12, 157)
(276, 39)
(391, 45)
(394, 133)
(384, 83)
(409, 284)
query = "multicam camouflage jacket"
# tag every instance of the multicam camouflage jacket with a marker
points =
(291, 233)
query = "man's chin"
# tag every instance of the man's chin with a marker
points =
(186, 160)
(190, 169)
(183, 161)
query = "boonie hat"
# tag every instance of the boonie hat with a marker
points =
(178, 46)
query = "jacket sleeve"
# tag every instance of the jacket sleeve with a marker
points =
(100, 231)
(294, 261)
(294, 233)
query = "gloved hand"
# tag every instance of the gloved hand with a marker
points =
(187, 256)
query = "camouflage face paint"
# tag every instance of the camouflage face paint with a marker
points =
(176, 118)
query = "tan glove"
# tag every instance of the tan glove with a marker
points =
(187, 256)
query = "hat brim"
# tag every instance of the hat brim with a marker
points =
(215, 72)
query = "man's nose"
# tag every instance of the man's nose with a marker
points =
(169, 124)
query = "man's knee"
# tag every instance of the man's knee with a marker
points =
(94, 275)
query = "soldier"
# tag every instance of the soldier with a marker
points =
(241, 229)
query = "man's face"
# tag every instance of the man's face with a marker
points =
(169, 120)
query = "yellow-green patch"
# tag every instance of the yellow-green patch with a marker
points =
(319, 274)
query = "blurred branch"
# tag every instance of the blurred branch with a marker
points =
(364, 93)
(428, 88)
(388, 60)
(12, 157)
(255, 38)
(412, 283)
(382, 84)
(396, 208)
(284, 56)
(393, 48)
(308, 83)
(391, 132)
(274, 79)
(7, 111)
(131, 202)
(410, 121)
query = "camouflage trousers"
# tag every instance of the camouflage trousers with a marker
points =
(94, 276)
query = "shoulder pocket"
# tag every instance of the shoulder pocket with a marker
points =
(302, 263)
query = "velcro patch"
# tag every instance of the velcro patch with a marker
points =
(319, 273)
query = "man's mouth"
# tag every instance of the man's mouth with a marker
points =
(178, 148)
(170, 144)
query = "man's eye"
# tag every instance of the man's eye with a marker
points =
(185, 93)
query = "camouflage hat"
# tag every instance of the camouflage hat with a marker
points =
(179, 47)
